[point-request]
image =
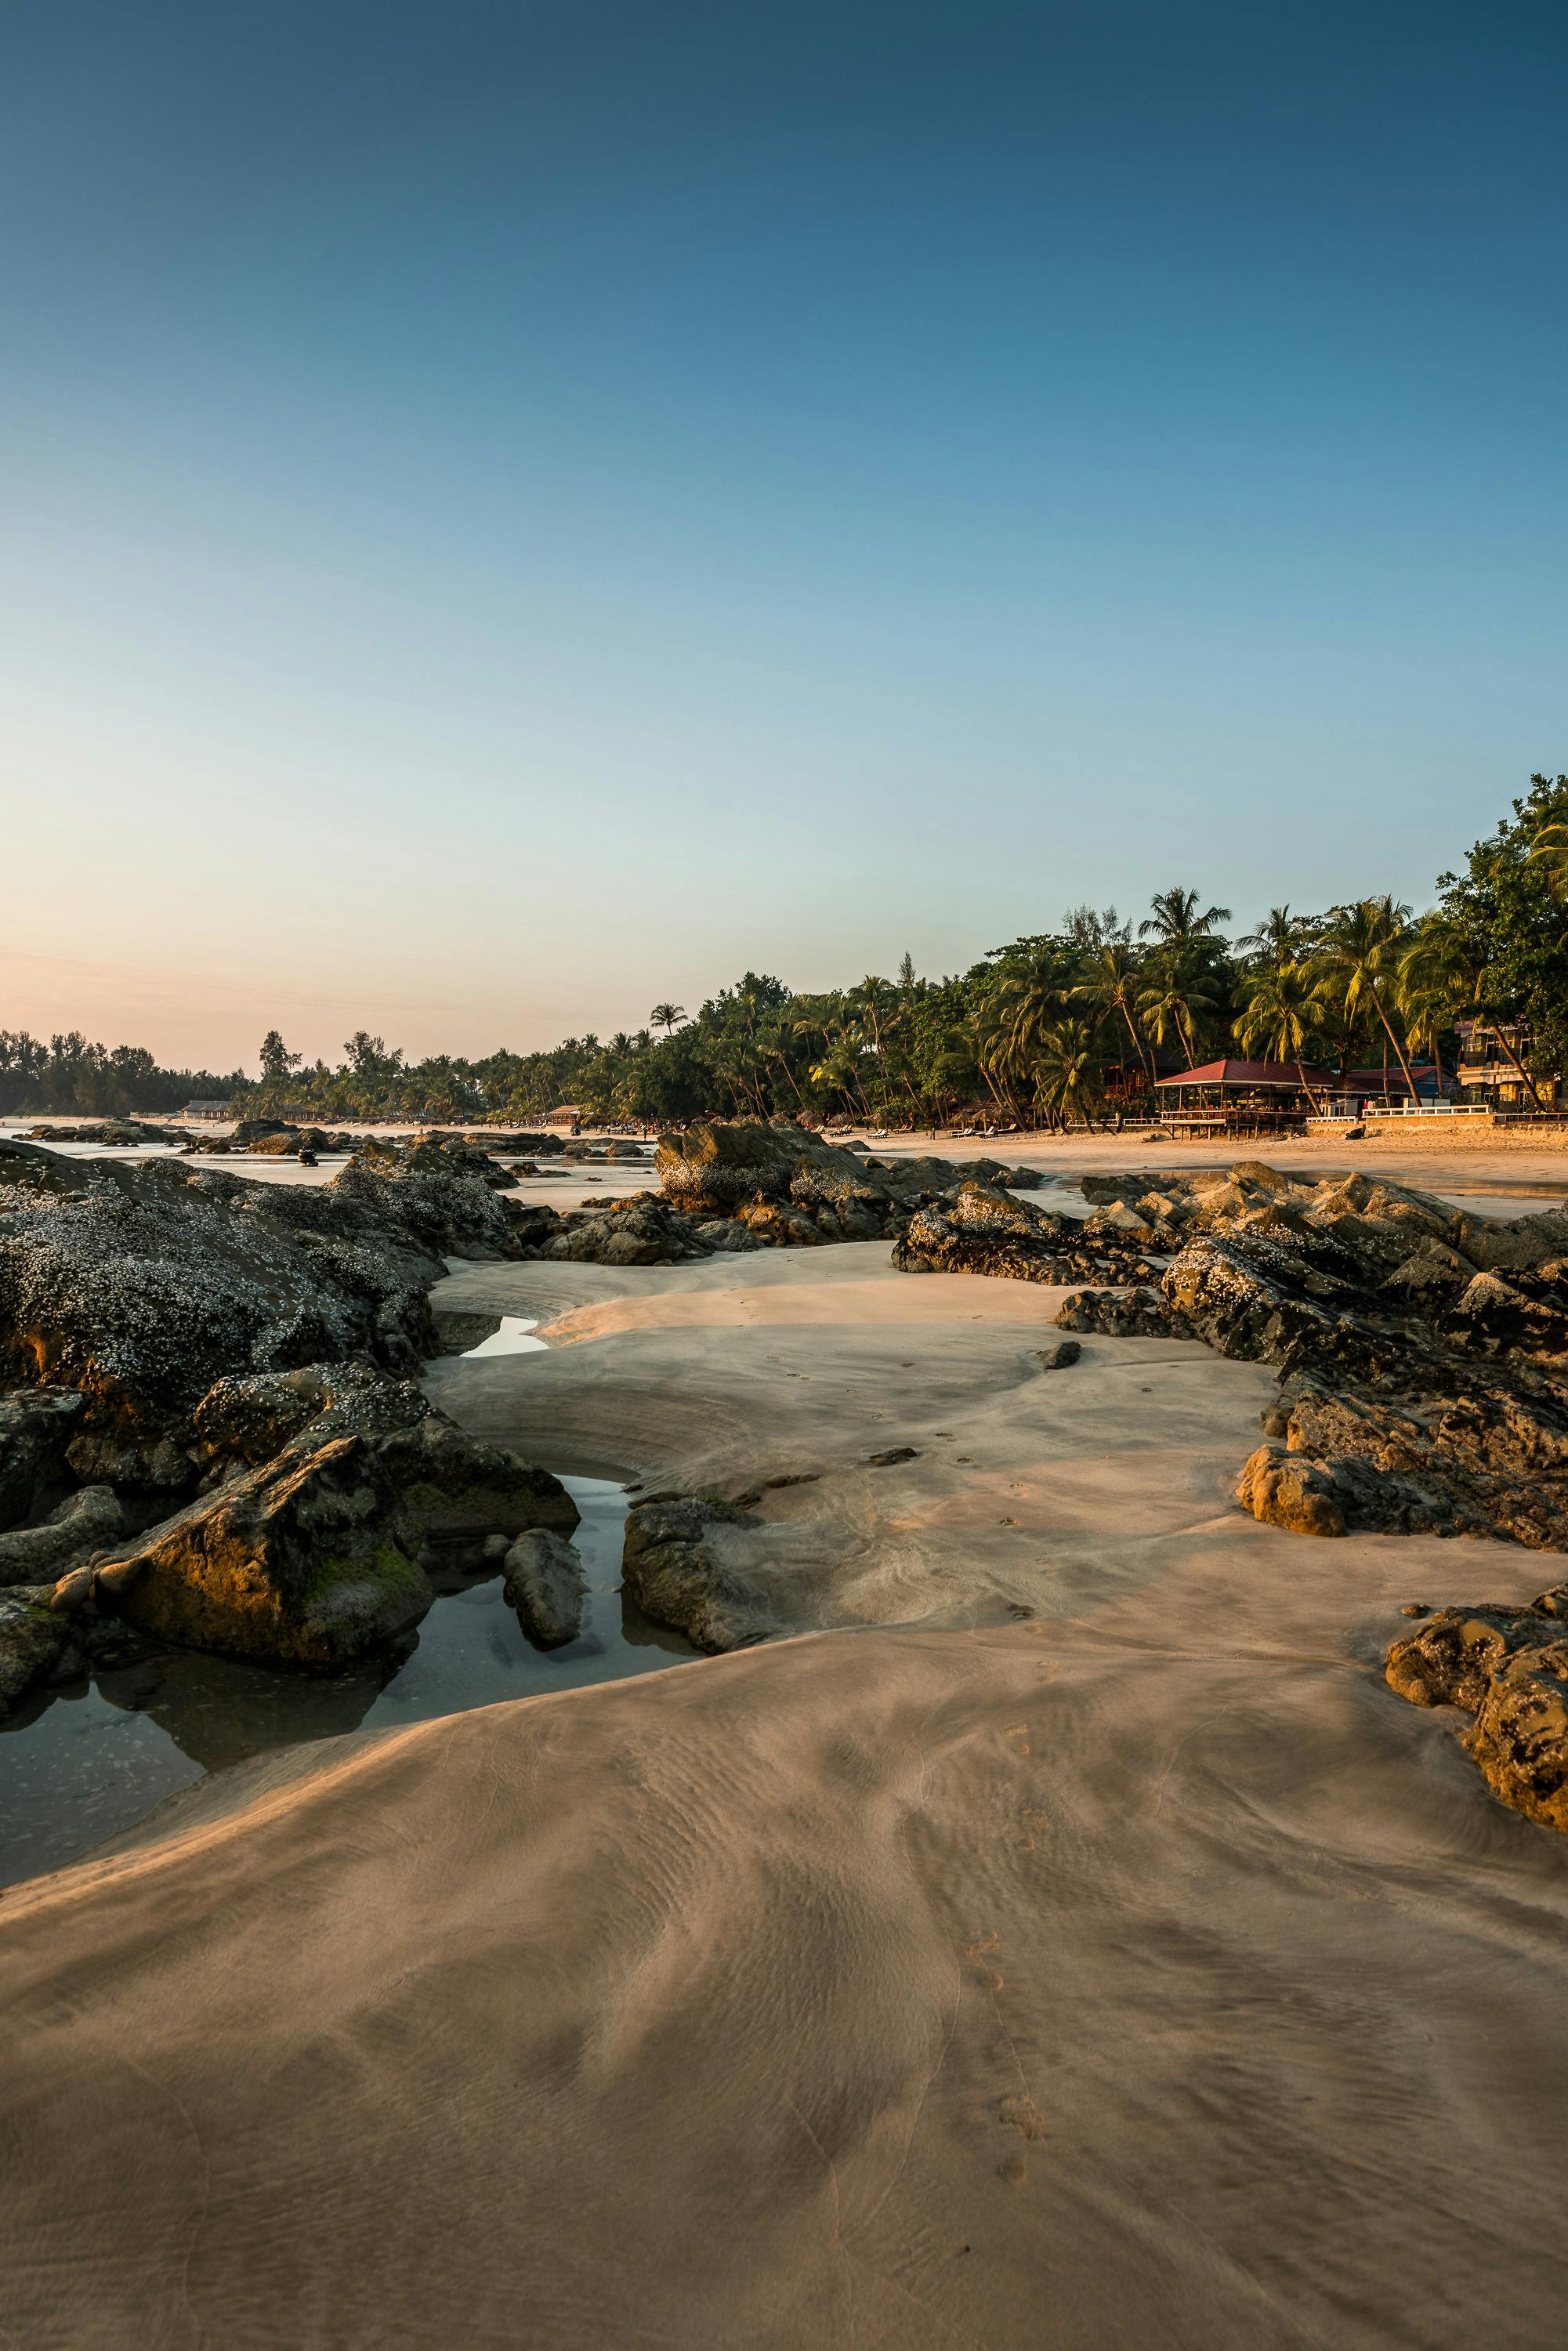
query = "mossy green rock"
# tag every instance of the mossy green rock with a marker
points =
(303, 1562)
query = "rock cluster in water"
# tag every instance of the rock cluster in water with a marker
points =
(214, 1434)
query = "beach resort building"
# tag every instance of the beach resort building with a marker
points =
(1490, 1056)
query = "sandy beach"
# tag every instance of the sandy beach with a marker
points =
(1065, 1939)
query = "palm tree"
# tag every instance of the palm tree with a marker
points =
(1283, 1013)
(1027, 999)
(666, 1017)
(1549, 849)
(1065, 1067)
(1278, 939)
(1172, 1002)
(1175, 921)
(1359, 951)
(839, 1067)
(1113, 985)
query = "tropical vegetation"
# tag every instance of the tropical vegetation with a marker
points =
(1049, 1030)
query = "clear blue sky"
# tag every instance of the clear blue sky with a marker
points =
(513, 512)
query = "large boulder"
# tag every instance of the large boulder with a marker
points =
(139, 1285)
(710, 1168)
(454, 1490)
(678, 1563)
(305, 1560)
(544, 1585)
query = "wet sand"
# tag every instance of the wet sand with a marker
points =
(1138, 1969)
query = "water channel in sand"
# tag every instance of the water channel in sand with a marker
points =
(84, 1762)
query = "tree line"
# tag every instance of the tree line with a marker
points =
(1052, 1028)
(71, 1074)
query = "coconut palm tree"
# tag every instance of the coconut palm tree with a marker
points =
(1114, 976)
(1027, 999)
(1278, 939)
(1283, 1014)
(1174, 1001)
(1064, 1068)
(1356, 963)
(1175, 921)
(666, 1017)
(839, 1070)
(1549, 849)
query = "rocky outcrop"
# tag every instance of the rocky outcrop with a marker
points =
(792, 1188)
(981, 1230)
(1508, 1669)
(679, 1565)
(455, 1490)
(139, 1285)
(544, 1585)
(305, 1560)
(1140, 1313)
(1421, 1393)
(251, 1346)
(639, 1231)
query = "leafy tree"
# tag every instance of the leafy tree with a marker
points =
(276, 1060)
(1504, 906)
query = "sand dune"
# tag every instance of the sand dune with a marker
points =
(1137, 1971)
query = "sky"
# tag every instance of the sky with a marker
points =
(512, 512)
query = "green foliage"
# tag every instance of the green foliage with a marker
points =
(70, 1075)
(1508, 924)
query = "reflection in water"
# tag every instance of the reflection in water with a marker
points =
(81, 1765)
(513, 1338)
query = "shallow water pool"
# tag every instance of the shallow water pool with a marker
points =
(81, 1764)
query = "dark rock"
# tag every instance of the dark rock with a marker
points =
(303, 1562)
(1139, 1313)
(141, 1284)
(894, 1453)
(544, 1585)
(35, 1427)
(37, 1647)
(679, 1565)
(453, 1490)
(456, 1489)
(1507, 1666)
(1057, 1358)
(979, 1229)
(160, 1471)
(723, 1234)
(90, 1520)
